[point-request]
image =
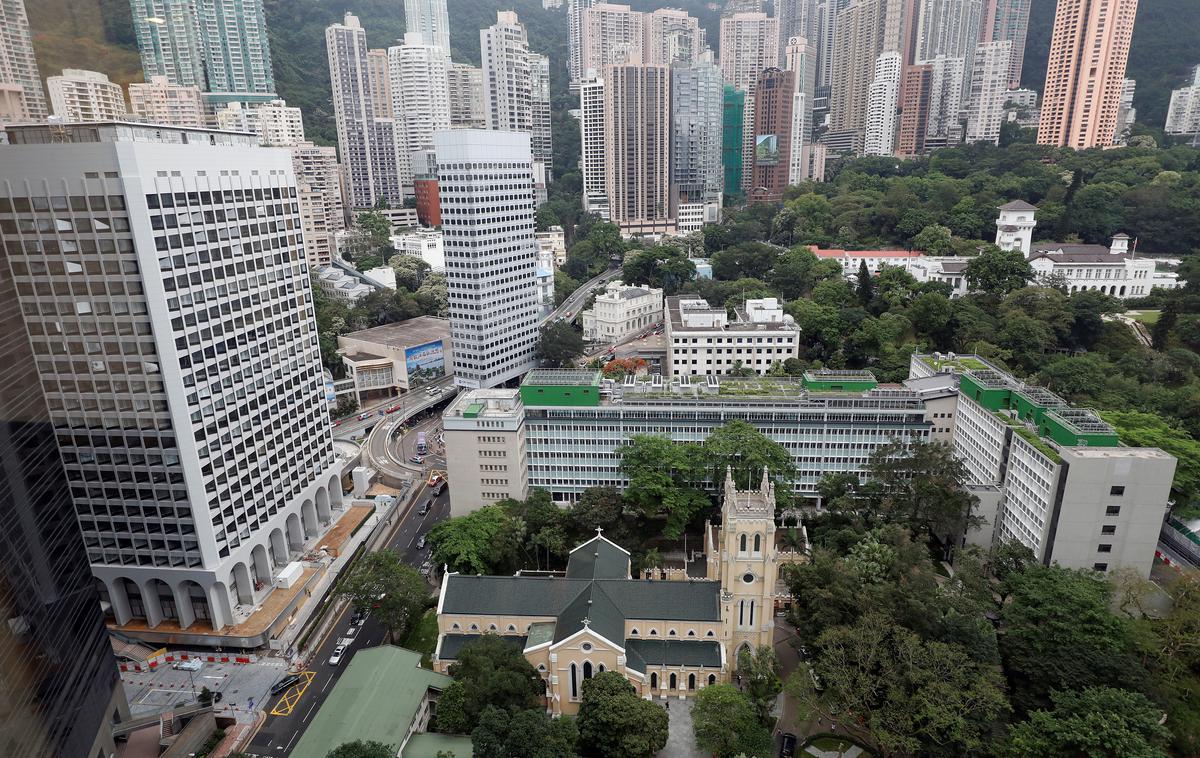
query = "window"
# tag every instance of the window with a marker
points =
(712, 679)
(1108, 529)
(691, 681)
(653, 680)
(574, 682)
(653, 632)
(1112, 510)
(758, 543)
(742, 544)
(672, 681)
(587, 670)
(1104, 548)
(1100, 567)
(748, 578)
(671, 633)
(1117, 490)
(586, 647)
(633, 632)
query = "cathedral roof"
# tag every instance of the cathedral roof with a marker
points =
(640, 653)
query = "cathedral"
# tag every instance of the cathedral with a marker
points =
(670, 632)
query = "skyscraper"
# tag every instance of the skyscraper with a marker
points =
(797, 18)
(1127, 113)
(516, 86)
(914, 110)
(61, 686)
(946, 27)
(219, 46)
(733, 135)
(80, 95)
(465, 84)
(945, 101)
(1086, 72)
(773, 127)
(420, 90)
(185, 386)
(592, 160)
(749, 46)
(862, 32)
(671, 36)
(485, 180)
(366, 137)
(989, 88)
(319, 191)
(800, 57)
(1183, 115)
(20, 83)
(1007, 20)
(160, 102)
(429, 19)
(697, 98)
(882, 106)
(612, 34)
(575, 11)
(637, 146)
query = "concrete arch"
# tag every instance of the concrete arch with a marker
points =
(295, 533)
(1122, 292)
(280, 555)
(308, 517)
(323, 510)
(219, 605)
(154, 592)
(260, 564)
(106, 603)
(241, 584)
(193, 602)
(126, 598)
(335, 491)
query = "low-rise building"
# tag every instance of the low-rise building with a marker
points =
(426, 244)
(485, 448)
(554, 241)
(704, 340)
(621, 311)
(341, 284)
(1114, 270)
(396, 358)
(81, 95)
(948, 269)
(852, 260)
(384, 276)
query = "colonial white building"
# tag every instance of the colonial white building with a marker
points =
(426, 244)
(622, 310)
(703, 340)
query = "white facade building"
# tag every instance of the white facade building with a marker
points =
(612, 36)
(882, 106)
(593, 160)
(491, 253)
(516, 84)
(465, 87)
(420, 94)
(697, 175)
(1183, 115)
(429, 19)
(702, 340)
(340, 285)
(622, 310)
(1126, 113)
(205, 418)
(553, 241)
(279, 124)
(575, 11)
(160, 102)
(1015, 225)
(319, 187)
(426, 244)
(989, 91)
(945, 100)
(81, 95)
(21, 95)
(485, 448)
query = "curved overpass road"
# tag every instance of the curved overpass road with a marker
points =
(379, 451)
(574, 303)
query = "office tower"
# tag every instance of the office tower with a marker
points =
(989, 91)
(485, 180)
(733, 135)
(1007, 20)
(61, 687)
(637, 145)
(195, 392)
(366, 137)
(592, 159)
(774, 96)
(20, 83)
(1183, 114)
(160, 102)
(882, 105)
(219, 46)
(914, 110)
(862, 32)
(319, 191)
(612, 34)
(429, 19)
(697, 100)
(420, 90)
(1126, 113)
(575, 11)
(516, 86)
(465, 85)
(800, 57)
(80, 95)
(671, 36)
(1085, 73)
(749, 46)
(946, 27)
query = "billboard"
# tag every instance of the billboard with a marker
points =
(424, 363)
(766, 150)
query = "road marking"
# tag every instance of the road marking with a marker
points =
(331, 676)
(293, 739)
(291, 696)
(314, 705)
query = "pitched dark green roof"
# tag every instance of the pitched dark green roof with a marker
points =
(598, 558)
(641, 653)
(594, 607)
(452, 644)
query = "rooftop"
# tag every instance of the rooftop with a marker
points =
(1081, 420)
(1017, 205)
(839, 253)
(414, 331)
(124, 131)
(557, 377)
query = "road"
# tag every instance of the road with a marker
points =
(574, 303)
(291, 712)
(388, 452)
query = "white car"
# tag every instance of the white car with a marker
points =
(338, 652)
(191, 664)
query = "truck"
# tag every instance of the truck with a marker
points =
(422, 448)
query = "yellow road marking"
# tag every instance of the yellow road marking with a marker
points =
(291, 696)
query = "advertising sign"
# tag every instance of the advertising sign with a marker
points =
(424, 363)
(766, 150)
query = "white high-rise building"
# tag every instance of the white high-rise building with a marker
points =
(465, 84)
(575, 11)
(160, 102)
(516, 83)
(319, 190)
(592, 159)
(612, 35)
(21, 95)
(947, 27)
(797, 18)
(697, 176)
(882, 106)
(945, 101)
(366, 134)
(485, 180)
(800, 57)
(429, 19)
(1126, 113)
(420, 91)
(671, 36)
(989, 91)
(1183, 115)
(81, 95)
(178, 357)
(279, 124)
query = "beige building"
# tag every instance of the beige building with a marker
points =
(485, 448)
(621, 311)
(1086, 72)
(670, 35)
(612, 35)
(465, 86)
(21, 95)
(673, 631)
(81, 95)
(160, 102)
(396, 358)
(319, 188)
(637, 145)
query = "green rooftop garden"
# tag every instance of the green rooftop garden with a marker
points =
(1038, 443)
(957, 364)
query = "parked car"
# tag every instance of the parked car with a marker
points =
(192, 664)
(338, 652)
(788, 748)
(421, 542)
(284, 683)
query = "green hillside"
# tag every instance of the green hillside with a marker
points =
(93, 34)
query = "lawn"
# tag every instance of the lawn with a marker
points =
(1149, 318)
(423, 637)
(828, 744)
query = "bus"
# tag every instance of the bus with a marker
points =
(422, 448)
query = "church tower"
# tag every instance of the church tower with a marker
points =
(749, 568)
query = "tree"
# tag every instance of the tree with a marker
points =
(376, 226)
(597, 507)
(490, 671)
(759, 672)
(615, 723)
(362, 749)
(866, 291)
(410, 271)
(1160, 333)
(1152, 430)
(727, 724)
(485, 541)
(998, 272)
(524, 734)
(382, 580)
(1006, 560)
(749, 452)
(345, 406)
(934, 239)
(660, 472)
(559, 344)
(1099, 722)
